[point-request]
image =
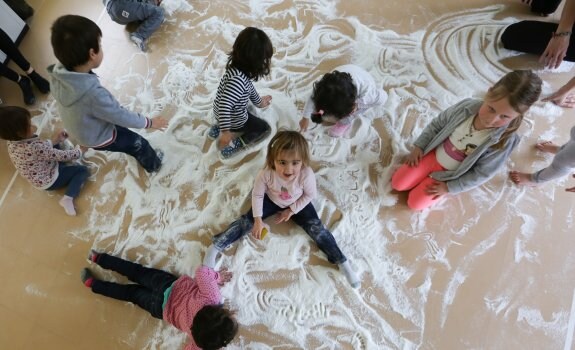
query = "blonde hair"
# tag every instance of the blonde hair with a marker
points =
(287, 141)
(522, 89)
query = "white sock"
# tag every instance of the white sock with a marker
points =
(351, 276)
(68, 203)
(210, 258)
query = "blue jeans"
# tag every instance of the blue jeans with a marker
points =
(148, 290)
(135, 145)
(146, 11)
(306, 218)
(73, 176)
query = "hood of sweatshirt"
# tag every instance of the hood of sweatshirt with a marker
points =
(67, 87)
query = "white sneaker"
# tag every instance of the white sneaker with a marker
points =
(140, 43)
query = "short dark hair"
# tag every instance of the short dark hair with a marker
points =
(14, 123)
(252, 53)
(72, 38)
(335, 94)
(214, 327)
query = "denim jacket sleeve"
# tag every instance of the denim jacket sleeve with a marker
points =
(485, 167)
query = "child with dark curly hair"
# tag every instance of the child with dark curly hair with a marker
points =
(193, 305)
(249, 60)
(340, 96)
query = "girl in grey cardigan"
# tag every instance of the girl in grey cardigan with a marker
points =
(467, 143)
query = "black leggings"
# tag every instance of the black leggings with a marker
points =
(533, 37)
(11, 50)
(148, 290)
(544, 7)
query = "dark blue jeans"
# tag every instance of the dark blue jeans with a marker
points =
(73, 176)
(149, 287)
(135, 145)
(254, 130)
(307, 219)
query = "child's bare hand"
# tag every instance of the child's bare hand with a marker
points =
(84, 149)
(414, 157)
(284, 215)
(561, 99)
(225, 276)
(303, 124)
(258, 227)
(437, 189)
(266, 100)
(159, 123)
(225, 138)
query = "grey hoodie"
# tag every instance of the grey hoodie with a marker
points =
(89, 112)
(480, 165)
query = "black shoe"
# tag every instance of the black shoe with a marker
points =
(42, 84)
(22, 9)
(26, 88)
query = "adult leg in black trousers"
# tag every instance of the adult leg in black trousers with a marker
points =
(533, 37)
(544, 7)
(11, 50)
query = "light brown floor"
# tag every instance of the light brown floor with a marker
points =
(472, 267)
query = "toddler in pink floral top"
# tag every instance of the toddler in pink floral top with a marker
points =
(38, 160)
(193, 305)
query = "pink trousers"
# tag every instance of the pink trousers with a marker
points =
(415, 180)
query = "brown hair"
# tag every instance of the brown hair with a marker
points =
(14, 123)
(252, 53)
(522, 89)
(287, 140)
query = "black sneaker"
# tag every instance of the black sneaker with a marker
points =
(26, 88)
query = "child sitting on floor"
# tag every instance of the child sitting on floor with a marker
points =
(249, 60)
(285, 186)
(40, 161)
(467, 143)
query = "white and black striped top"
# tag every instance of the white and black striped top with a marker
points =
(231, 103)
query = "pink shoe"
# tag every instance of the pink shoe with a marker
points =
(338, 129)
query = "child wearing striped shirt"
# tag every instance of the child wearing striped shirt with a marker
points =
(235, 127)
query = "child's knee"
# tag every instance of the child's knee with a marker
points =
(398, 180)
(419, 201)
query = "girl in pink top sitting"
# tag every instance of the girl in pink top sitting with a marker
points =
(39, 161)
(286, 186)
(193, 305)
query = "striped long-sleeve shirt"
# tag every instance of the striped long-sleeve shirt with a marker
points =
(231, 103)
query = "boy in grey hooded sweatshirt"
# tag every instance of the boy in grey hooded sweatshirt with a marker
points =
(89, 111)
